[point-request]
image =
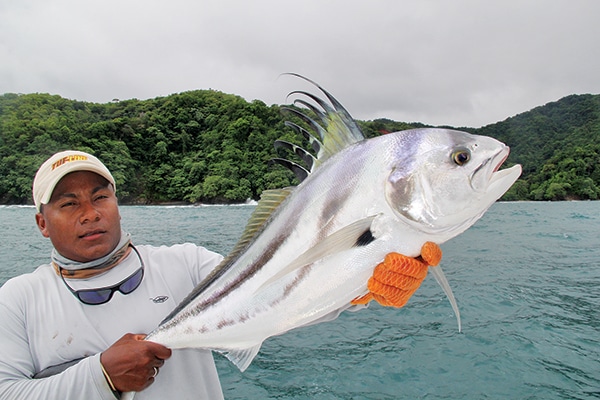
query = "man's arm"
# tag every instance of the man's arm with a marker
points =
(17, 369)
(129, 363)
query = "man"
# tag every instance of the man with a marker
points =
(99, 286)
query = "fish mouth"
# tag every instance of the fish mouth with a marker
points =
(489, 178)
(503, 158)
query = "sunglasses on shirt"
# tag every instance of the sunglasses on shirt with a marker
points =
(104, 294)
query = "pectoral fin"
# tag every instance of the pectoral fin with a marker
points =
(356, 234)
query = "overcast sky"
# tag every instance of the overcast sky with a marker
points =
(446, 62)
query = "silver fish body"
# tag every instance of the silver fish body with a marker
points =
(319, 247)
(313, 254)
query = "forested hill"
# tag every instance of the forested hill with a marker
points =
(558, 145)
(207, 146)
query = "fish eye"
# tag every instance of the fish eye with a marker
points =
(461, 156)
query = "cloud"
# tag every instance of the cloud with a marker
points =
(461, 63)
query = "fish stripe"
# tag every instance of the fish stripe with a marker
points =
(243, 276)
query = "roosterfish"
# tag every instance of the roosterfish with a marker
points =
(308, 251)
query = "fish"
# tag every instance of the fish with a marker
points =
(309, 250)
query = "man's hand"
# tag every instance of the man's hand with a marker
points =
(132, 363)
(396, 279)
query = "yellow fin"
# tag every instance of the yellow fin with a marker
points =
(335, 126)
(268, 203)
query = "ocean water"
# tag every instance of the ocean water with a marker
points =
(526, 278)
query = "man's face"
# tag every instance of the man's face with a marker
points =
(82, 218)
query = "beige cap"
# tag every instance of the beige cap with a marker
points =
(59, 165)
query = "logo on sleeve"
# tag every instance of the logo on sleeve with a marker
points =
(159, 299)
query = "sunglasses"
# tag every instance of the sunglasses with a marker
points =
(104, 294)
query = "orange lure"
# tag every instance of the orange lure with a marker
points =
(396, 279)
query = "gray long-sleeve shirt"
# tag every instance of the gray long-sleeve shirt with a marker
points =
(42, 324)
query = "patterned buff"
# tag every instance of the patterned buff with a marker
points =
(78, 270)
